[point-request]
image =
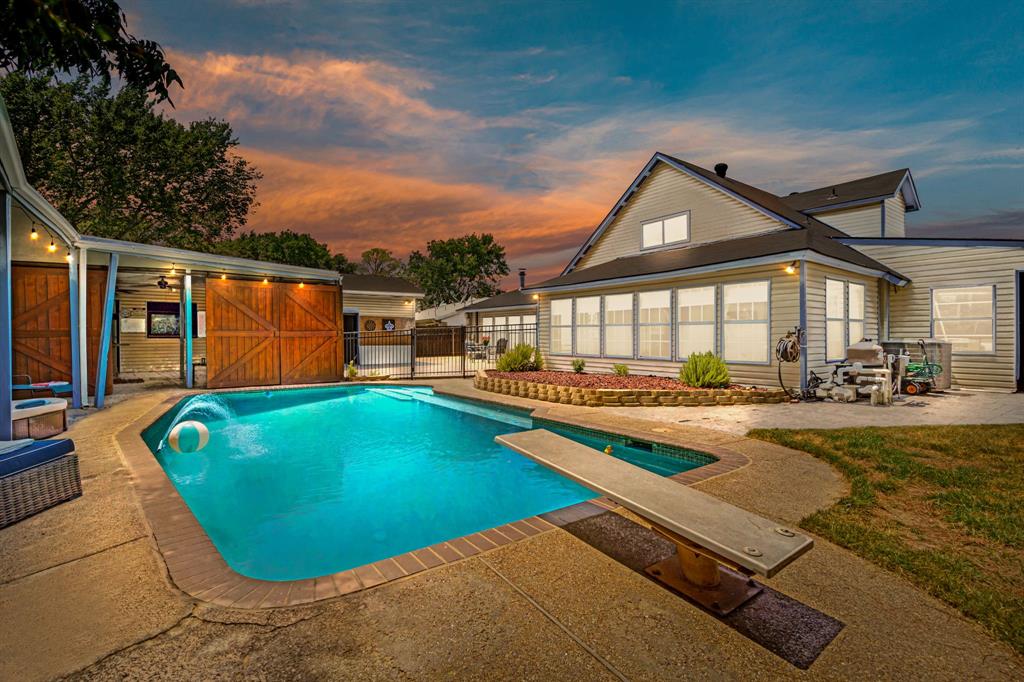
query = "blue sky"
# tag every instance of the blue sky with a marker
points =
(394, 122)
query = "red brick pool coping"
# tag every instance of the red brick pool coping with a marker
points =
(198, 569)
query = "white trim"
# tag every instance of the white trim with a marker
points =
(995, 294)
(387, 293)
(768, 322)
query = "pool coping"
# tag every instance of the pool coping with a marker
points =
(197, 568)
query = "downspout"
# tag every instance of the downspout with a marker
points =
(803, 324)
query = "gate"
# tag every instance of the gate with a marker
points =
(41, 323)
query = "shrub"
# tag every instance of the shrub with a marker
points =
(520, 358)
(704, 370)
(538, 360)
(621, 370)
(578, 365)
(352, 371)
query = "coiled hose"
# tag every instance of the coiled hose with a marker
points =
(788, 349)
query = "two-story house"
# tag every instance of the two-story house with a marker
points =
(692, 260)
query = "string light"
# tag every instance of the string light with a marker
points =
(52, 248)
(68, 257)
(302, 285)
(33, 235)
(223, 276)
(266, 281)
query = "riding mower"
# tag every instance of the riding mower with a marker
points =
(920, 376)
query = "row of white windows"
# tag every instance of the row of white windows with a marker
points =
(641, 325)
(509, 320)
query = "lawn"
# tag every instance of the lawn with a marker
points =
(941, 505)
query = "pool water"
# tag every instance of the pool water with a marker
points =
(302, 483)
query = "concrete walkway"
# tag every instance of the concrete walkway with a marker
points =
(84, 593)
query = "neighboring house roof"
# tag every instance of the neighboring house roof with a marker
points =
(811, 234)
(510, 299)
(788, 243)
(379, 284)
(853, 192)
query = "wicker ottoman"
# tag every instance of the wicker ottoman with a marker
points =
(39, 417)
(36, 477)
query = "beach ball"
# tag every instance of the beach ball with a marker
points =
(189, 436)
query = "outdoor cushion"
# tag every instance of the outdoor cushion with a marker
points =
(34, 407)
(37, 453)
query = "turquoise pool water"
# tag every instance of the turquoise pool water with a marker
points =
(302, 483)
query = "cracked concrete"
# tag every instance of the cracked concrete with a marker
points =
(84, 593)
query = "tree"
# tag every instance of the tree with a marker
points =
(81, 37)
(344, 265)
(378, 261)
(114, 167)
(288, 247)
(458, 269)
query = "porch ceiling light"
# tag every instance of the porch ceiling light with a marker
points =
(791, 268)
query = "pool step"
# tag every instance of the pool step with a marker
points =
(458, 405)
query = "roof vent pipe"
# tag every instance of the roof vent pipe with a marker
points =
(522, 278)
(721, 169)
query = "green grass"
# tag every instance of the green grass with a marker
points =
(941, 505)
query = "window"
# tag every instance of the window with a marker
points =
(964, 317)
(561, 326)
(745, 322)
(163, 320)
(588, 325)
(835, 320)
(855, 304)
(696, 319)
(655, 324)
(669, 230)
(618, 326)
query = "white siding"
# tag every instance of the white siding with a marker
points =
(816, 276)
(714, 215)
(784, 315)
(895, 217)
(862, 221)
(933, 266)
(373, 305)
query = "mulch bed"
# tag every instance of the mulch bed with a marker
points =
(584, 380)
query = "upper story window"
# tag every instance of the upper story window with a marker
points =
(672, 229)
(964, 316)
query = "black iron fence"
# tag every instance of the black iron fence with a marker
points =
(434, 351)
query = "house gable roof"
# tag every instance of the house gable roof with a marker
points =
(510, 299)
(856, 192)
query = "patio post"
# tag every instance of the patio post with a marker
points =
(186, 291)
(6, 371)
(76, 360)
(803, 324)
(83, 322)
(106, 331)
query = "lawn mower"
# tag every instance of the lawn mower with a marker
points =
(920, 376)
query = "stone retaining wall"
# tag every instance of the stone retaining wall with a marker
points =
(619, 397)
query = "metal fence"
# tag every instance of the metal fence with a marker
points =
(434, 351)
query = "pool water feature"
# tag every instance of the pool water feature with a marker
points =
(302, 483)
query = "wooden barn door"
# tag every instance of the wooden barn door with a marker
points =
(266, 334)
(310, 326)
(41, 323)
(242, 343)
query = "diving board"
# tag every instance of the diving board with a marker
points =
(711, 535)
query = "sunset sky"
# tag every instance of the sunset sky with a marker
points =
(392, 123)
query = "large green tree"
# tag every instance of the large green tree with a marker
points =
(288, 247)
(115, 167)
(80, 37)
(380, 261)
(458, 269)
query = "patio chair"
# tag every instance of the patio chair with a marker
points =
(54, 388)
(35, 476)
(500, 347)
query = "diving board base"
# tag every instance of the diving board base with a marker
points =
(732, 591)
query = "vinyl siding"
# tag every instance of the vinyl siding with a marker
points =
(816, 338)
(714, 215)
(862, 221)
(139, 353)
(895, 217)
(784, 315)
(936, 266)
(477, 318)
(371, 305)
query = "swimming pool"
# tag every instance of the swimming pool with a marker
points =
(302, 483)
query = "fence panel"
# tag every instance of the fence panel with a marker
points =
(434, 352)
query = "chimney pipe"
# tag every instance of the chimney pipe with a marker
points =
(721, 169)
(522, 278)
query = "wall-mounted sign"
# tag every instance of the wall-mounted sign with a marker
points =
(370, 325)
(389, 325)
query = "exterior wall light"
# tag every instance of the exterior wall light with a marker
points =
(302, 285)
(791, 268)
(223, 276)
(266, 281)
(174, 270)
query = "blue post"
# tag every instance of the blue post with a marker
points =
(187, 291)
(6, 371)
(76, 358)
(106, 330)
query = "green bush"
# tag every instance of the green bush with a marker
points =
(621, 370)
(578, 365)
(704, 370)
(352, 371)
(521, 358)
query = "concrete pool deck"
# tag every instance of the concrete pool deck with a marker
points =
(85, 592)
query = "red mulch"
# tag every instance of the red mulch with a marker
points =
(586, 380)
